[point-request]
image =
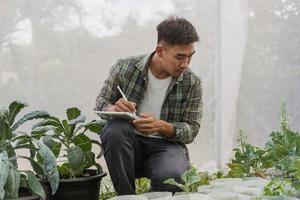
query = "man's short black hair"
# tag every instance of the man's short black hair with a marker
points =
(176, 30)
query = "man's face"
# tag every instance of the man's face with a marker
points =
(176, 58)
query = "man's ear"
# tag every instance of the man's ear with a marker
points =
(159, 50)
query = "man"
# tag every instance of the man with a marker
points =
(167, 96)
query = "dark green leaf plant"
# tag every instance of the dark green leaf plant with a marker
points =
(191, 179)
(248, 160)
(284, 149)
(12, 141)
(284, 146)
(69, 142)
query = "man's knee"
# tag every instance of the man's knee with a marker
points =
(157, 182)
(116, 131)
(171, 165)
(174, 171)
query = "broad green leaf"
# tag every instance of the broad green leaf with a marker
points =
(65, 170)
(4, 171)
(5, 131)
(75, 157)
(14, 108)
(193, 179)
(11, 154)
(49, 165)
(73, 113)
(50, 121)
(21, 139)
(171, 181)
(94, 126)
(39, 131)
(13, 183)
(89, 159)
(54, 146)
(188, 174)
(25, 146)
(79, 119)
(38, 169)
(83, 142)
(23, 180)
(68, 129)
(38, 134)
(30, 116)
(78, 172)
(101, 148)
(34, 184)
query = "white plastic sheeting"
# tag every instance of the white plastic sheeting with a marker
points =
(56, 54)
(232, 37)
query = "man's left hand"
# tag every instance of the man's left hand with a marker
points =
(148, 125)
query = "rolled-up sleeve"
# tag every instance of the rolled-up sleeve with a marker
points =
(108, 95)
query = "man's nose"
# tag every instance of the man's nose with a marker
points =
(185, 63)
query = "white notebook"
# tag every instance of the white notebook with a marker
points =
(117, 115)
(126, 116)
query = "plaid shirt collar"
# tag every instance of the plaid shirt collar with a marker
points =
(143, 64)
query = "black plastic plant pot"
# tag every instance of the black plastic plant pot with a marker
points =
(77, 188)
(24, 194)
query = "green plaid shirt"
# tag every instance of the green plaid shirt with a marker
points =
(182, 106)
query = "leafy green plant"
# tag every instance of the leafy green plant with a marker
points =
(280, 187)
(191, 180)
(279, 159)
(142, 185)
(107, 192)
(11, 140)
(68, 141)
(284, 146)
(284, 151)
(248, 160)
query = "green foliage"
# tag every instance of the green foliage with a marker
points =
(67, 137)
(49, 165)
(106, 192)
(191, 180)
(248, 161)
(142, 185)
(281, 154)
(284, 146)
(279, 187)
(12, 139)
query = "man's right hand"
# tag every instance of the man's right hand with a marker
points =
(122, 106)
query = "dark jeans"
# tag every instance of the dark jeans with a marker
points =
(129, 156)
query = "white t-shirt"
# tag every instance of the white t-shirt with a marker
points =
(154, 96)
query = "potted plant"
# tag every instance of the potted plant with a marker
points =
(16, 183)
(73, 150)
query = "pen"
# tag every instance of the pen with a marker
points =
(123, 95)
